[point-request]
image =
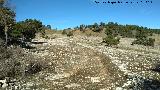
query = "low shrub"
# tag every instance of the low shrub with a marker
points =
(14, 64)
(97, 29)
(70, 33)
(110, 40)
(151, 42)
(64, 32)
(33, 67)
(1, 42)
(10, 67)
(144, 41)
(46, 37)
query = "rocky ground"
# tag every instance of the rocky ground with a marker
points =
(84, 63)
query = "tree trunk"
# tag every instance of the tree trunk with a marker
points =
(6, 34)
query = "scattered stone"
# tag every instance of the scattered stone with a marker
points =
(95, 79)
(119, 88)
(68, 53)
(72, 85)
(3, 83)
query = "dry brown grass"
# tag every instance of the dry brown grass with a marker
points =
(89, 32)
(48, 32)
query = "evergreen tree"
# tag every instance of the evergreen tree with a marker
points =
(7, 20)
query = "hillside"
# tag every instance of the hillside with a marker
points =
(96, 55)
(83, 62)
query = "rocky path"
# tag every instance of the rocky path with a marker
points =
(83, 63)
(133, 62)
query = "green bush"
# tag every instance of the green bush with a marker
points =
(144, 41)
(64, 32)
(27, 29)
(151, 42)
(141, 39)
(97, 29)
(16, 34)
(111, 40)
(70, 34)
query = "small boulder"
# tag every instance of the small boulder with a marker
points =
(3, 83)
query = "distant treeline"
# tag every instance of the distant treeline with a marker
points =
(115, 31)
(123, 30)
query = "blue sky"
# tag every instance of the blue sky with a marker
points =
(69, 13)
